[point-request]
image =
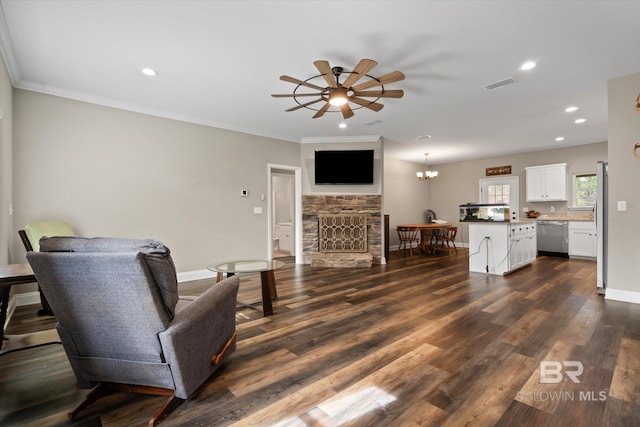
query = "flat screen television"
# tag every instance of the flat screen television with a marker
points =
(344, 167)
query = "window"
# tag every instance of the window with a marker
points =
(501, 190)
(584, 190)
(498, 193)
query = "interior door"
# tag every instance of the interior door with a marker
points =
(501, 190)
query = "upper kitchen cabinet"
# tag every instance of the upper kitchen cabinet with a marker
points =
(547, 183)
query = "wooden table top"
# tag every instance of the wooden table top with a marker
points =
(425, 225)
(16, 274)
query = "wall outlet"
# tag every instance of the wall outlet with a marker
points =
(525, 210)
(257, 210)
(244, 193)
(552, 209)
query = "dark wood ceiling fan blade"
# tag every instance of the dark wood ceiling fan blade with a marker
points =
(346, 111)
(293, 95)
(363, 67)
(375, 106)
(392, 77)
(395, 93)
(300, 82)
(327, 74)
(321, 111)
(297, 107)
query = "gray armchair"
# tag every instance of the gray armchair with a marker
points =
(122, 323)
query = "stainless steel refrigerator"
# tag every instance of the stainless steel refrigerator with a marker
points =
(601, 218)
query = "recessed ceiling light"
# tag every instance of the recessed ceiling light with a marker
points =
(528, 65)
(560, 139)
(578, 121)
(150, 72)
(571, 109)
(342, 125)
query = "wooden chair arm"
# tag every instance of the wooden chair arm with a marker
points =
(217, 358)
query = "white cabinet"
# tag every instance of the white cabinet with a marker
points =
(500, 248)
(546, 183)
(285, 236)
(522, 244)
(582, 239)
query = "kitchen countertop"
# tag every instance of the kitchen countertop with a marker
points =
(521, 221)
(566, 217)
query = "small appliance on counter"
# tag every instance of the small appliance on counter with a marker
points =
(473, 212)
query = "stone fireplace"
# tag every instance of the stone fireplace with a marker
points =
(342, 230)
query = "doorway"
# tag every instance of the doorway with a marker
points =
(501, 190)
(285, 212)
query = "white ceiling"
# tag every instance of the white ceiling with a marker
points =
(220, 61)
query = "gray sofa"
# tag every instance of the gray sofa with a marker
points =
(122, 323)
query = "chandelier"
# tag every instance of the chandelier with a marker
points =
(427, 174)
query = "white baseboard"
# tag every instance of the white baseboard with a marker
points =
(26, 298)
(620, 295)
(188, 276)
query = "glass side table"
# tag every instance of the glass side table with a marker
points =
(267, 278)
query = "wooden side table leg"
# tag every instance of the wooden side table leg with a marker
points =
(267, 306)
(4, 305)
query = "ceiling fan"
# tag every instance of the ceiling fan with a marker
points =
(340, 94)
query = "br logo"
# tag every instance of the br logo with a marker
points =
(552, 372)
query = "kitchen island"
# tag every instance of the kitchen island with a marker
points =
(501, 247)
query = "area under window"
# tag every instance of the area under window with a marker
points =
(584, 190)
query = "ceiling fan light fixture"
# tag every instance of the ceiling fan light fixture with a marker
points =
(338, 98)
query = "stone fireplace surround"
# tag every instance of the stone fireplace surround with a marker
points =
(361, 204)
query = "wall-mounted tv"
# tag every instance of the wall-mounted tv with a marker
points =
(344, 167)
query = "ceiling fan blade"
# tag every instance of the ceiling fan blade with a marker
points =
(346, 111)
(294, 95)
(367, 104)
(325, 70)
(300, 82)
(321, 111)
(297, 107)
(392, 77)
(396, 93)
(363, 67)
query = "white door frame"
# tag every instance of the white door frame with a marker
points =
(297, 209)
(514, 181)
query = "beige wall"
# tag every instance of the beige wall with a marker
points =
(624, 178)
(6, 166)
(110, 172)
(405, 197)
(458, 183)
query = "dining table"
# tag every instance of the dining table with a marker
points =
(426, 231)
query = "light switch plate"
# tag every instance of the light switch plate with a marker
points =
(257, 210)
(622, 205)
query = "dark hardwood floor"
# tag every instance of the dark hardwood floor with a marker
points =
(418, 341)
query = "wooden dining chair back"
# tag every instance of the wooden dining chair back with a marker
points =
(446, 240)
(408, 236)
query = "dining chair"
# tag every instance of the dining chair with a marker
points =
(407, 236)
(446, 240)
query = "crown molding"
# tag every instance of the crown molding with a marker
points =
(8, 54)
(339, 139)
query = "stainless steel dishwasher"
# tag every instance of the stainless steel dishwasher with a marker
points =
(553, 238)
